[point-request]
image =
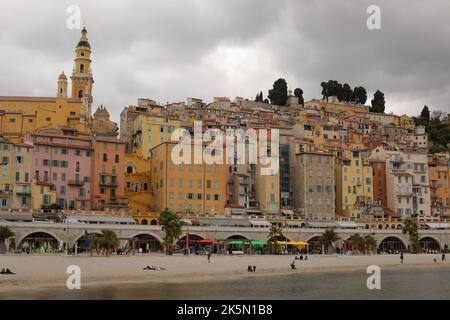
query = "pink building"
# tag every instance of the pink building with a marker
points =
(62, 157)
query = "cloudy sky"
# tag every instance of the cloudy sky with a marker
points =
(170, 49)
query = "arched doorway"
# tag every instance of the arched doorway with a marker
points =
(192, 238)
(315, 245)
(145, 243)
(237, 237)
(83, 241)
(391, 245)
(429, 245)
(40, 242)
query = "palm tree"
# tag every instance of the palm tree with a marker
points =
(356, 240)
(370, 243)
(410, 228)
(5, 233)
(108, 241)
(172, 225)
(275, 233)
(328, 237)
(94, 243)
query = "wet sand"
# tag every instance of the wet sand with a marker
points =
(49, 271)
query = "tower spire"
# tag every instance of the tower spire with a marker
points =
(82, 79)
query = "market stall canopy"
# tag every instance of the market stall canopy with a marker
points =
(206, 241)
(299, 244)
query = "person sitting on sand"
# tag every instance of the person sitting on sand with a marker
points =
(9, 271)
(249, 269)
(301, 257)
(3, 271)
(254, 268)
(443, 257)
(306, 258)
(293, 265)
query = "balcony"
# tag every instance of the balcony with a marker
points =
(23, 193)
(108, 184)
(78, 183)
(5, 193)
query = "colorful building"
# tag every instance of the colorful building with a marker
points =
(439, 177)
(313, 182)
(108, 176)
(194, 188)
(62, 161)
(150, 131)
(354, 186)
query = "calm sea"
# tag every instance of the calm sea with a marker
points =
(433, 283)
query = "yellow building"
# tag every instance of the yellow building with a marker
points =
(137, 188)
(21, 114)
(406, 122)
(150, 131)
(15, 175)
(354, 186)
(42, 194)
(268, 190)
(194, 188)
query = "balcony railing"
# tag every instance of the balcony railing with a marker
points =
(5, 192)
(108, 184)
(23, 193)
(76, 183)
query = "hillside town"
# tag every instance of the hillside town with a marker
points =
(337, 159)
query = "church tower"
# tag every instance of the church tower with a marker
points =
(61, 91)
(82, 79)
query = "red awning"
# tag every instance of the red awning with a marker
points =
(391, 213)
(206, 241)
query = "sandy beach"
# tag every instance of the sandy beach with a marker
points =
(47, 271)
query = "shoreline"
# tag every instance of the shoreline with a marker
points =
(102, 272)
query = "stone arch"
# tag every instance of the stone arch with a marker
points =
(380, 227)
(79, 238)
(236, 237)
(429, 243)
(367, 227)
(399, 227)
(154, 222)
(144, 222)
(41, 241)
(392, 243)
(192, 238)
(145, 242)
(315, 244)
(27, 234)
(157, 237)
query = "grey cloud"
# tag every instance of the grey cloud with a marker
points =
(167, 50)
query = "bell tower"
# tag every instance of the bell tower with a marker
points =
(61, 91)
(82, 79)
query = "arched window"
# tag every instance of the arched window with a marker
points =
(81, 68)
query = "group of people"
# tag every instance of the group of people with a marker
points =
(251, 268)
(154, 268)
(443, 257)
(6, 271)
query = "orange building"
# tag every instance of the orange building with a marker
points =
(439, 176)
(194, 188)
(108, 175)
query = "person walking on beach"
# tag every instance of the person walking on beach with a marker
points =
(401, 257)
(209, 257)
(293, 265)
(443, 256)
